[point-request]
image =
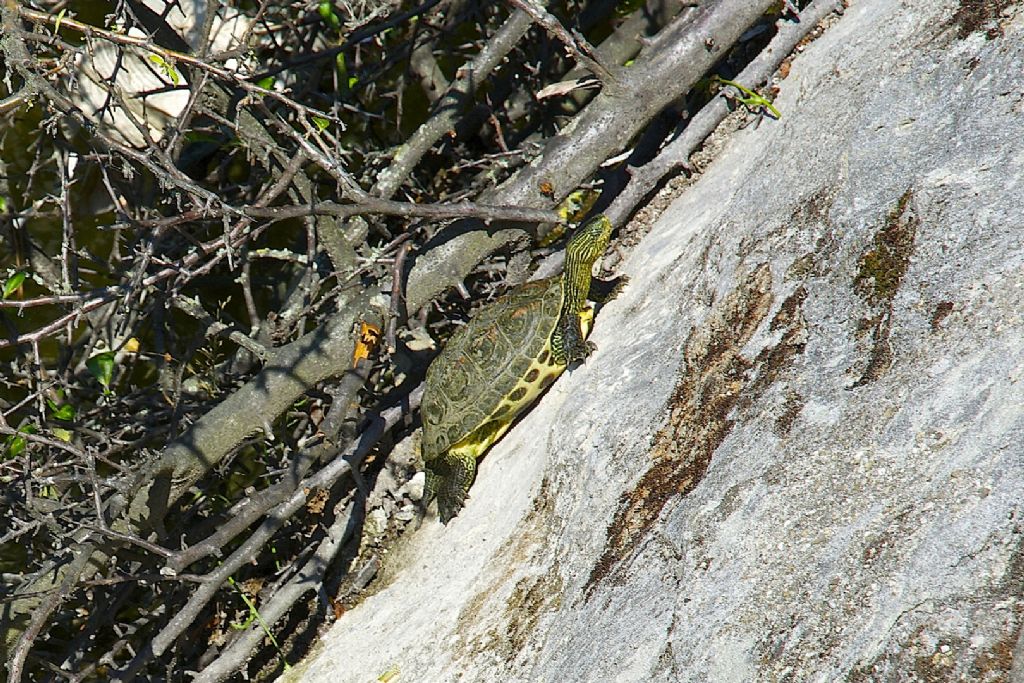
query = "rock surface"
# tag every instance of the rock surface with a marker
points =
(798, 454)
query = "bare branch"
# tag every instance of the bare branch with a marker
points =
(446, 113)
(758, 71)
(371, 205)
(658, 76)
(577, 45)
(16, 662)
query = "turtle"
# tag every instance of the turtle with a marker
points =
(496, 365)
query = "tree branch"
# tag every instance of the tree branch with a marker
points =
(600, 131)
(677, 153)
(448, 108)
(580, 49)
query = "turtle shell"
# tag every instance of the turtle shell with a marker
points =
(484, 361)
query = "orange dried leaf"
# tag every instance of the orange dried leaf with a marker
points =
(367, 343)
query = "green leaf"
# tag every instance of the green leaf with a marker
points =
(266, 83)
(61, 412)
(321, 123)
(12, 284)
(3, 204)
(102, 368)
(167, 68)
(16, 444)
(62, 434)
(326, 11)
(60, 18)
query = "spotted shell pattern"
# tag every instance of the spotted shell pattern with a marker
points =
(484, 361)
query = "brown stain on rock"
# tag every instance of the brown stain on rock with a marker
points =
(715, 379)
(880, 272)
(790, 411)
(995, 663)
(882, 267)
(977, 15)
(942, 309)
(937, 654)
(773, 359)
(531, 598)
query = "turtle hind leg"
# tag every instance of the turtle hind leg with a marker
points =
(448, 479)
(430, 486)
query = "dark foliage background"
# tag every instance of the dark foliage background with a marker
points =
(230, 237)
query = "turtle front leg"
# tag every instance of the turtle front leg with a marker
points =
(568, 343)
(448, 479)
(603, 291)
(569, 339)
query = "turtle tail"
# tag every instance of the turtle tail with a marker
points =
(448, 479)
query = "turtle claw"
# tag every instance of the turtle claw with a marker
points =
(603, 291)
(580, 352)
(449, 479)
(450, 505)
(620, 284)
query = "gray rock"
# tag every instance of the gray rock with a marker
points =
(797, 453)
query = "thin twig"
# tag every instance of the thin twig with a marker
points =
(467, 80)
(581, 50)
(40, 615)
(372, 205)
(397, 307)
(213, 327)
(104, 294)
(306, 579)
(323, 479)
(43, 441)
(130, 538)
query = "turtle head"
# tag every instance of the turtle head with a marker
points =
(586, 246)
(589, 242)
